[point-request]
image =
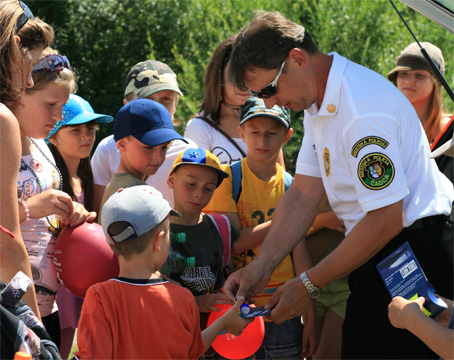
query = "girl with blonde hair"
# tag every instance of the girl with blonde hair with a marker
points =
(44, 208)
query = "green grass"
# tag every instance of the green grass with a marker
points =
(74, 347)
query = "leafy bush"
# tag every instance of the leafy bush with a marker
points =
(104, 39)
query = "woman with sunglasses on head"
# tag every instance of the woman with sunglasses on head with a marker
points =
(215, 127)
(44, 208)
(22, 39)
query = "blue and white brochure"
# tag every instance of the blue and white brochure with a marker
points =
(404, 277)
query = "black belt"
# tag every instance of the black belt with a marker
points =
(427, 222)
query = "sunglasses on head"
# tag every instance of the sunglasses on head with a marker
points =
(52, 62)
(27, 14)
(270, 89)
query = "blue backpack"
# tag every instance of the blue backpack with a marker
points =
(237, 176)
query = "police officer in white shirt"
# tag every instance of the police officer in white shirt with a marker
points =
(363, 144)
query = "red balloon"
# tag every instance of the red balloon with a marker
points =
(82, 258)
(242, 346)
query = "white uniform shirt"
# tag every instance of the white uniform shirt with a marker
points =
(369, 148)
(210, 139)
(106, 159)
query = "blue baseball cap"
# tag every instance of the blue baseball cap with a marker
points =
(148, 121)
(78, 111)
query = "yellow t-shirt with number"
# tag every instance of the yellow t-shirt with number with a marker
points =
(256, 205)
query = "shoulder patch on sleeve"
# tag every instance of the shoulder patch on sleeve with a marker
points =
(376, 171)
(368, 140)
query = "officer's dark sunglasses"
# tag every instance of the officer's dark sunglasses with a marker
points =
(270, 89)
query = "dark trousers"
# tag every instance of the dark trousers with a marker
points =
(367, 332)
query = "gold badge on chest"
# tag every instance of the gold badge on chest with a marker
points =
(326, 162)
(331, 108)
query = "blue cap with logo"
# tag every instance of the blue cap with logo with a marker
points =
(148, 121)
(201, 157)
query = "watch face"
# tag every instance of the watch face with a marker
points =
(313, 291)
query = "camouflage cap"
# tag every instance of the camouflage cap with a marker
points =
(255, 107)
(149, 77)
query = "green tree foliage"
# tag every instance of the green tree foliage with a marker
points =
(104, 38)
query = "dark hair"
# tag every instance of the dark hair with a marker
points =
(214, 80)
(35, 33)
(84, 171)
(264, 44)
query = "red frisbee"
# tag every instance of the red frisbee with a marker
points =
(242, 346)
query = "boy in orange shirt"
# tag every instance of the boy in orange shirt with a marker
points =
(139, 315)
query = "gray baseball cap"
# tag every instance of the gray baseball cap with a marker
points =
(141, 206)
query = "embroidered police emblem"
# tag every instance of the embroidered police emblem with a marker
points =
(326, 162)
(331, 108)
(376, 171)
(369, 140)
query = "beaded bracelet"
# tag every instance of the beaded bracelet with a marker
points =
(27, 211)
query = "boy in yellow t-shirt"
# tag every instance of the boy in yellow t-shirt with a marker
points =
(262, 182)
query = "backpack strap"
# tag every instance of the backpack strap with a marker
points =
(222, 223)
(288, 179)
(445, 132)
(237, 176)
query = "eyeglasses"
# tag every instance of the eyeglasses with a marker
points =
(27, 14)
(270, 89)
(52, 62)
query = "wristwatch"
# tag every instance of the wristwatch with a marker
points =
(313, 291)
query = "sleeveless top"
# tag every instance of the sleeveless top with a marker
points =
(39, 236)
